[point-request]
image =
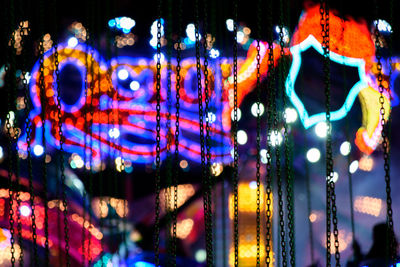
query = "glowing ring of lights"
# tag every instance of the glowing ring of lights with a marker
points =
(136, 110)
(81, 100)
(305, 118)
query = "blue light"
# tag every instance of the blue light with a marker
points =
(189, 43)
(305, 118)
(143, 264)
(129, 169)
(395, 98)
(122, 23)
(111, 23)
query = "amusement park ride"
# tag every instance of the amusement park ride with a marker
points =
(126, 112)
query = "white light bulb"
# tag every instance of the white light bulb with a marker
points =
(291, 115)
(134, 85)
(334, 177)
(25, 210)
(214, 53)
(114, 133)
(276, 138)
(229, 25)
(264, 156)
(38, 150)
(345, 148)
(239, 36)
(162, 57)
(321, 129)
(123, 74)
(211, 117)
(253, 185)
(313, 155)
(200, 255)
(72, 42)
(353, 167)
(241, 137)
(239, 114)
(255, 109)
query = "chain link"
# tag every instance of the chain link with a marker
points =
(235, 139)
(209, 232)
(287, 148)
(331, 196)
(276, 118)
(176, 152)
(27, 127)
(10, 126)
(62, 167)
(269, 174)
(202, 137)
(258, 138)
(158, 140)
(169, 188)
(385, 145)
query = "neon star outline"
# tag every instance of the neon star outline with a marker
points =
(305, 118)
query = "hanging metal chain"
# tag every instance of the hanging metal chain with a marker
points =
(208, 178)
(385, 145)
(169, 136)
(43, 101)
(276, 132)
(328, 172)
(18, 198)
(175, 178)
(28, 128)
(235, 177)
(201, 128)
(287, 148)
(331, 196)
(258, 138)
(158, 140)
(62, 167)
(11, 126)
(269, 172)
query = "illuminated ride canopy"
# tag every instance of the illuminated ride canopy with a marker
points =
(124, 88)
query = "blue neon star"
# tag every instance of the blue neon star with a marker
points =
(305, 118)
